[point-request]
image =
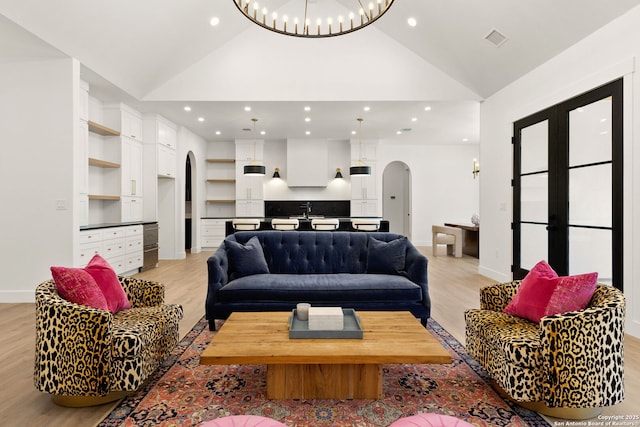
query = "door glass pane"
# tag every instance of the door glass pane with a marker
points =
(590, 133)
(589, 251)
(533, 246)
(590, 196)
(534, 197)
(533, 148)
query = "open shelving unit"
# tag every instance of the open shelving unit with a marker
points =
(101, 129)
(221, 184)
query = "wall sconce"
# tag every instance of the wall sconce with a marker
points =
(338, 173)
(476, 168)
(276, 173)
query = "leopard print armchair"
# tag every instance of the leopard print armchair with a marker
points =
(86, 356)
(569, 366)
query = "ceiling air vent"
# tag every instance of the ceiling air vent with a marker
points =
(496, 38)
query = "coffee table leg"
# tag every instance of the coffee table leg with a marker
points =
(319, 381)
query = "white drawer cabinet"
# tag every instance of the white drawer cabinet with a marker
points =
(212, 232)
(121, 247)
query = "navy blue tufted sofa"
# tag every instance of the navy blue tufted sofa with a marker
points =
(324, 268)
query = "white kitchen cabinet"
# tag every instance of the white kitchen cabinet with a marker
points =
(167, 133)
(212, 231)
(132, 208)
(167, 161)
(250, 208)
(131, 167)
(368, 207)
(248, 150)
(367, 151)
(120, 246)
(126, 119)
(365, 186)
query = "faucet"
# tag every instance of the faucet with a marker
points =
(307, 209)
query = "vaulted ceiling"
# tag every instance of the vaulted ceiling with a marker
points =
(161, 55)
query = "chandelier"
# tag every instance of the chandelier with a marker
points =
(308, 21)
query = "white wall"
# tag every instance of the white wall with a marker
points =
(605, 55)
(37, 106)
(442, 188)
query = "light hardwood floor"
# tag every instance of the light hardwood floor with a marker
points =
(454, 285)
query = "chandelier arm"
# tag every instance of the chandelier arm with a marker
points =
(365, 10)
(305, 28)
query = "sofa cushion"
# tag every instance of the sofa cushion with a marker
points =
(386, 257)
(247, 259)
(542, 293)
(320, 287)
(108, 281)
(79, 287)
(142, 327)
(512, 339)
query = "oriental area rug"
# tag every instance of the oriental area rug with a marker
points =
(184, 393)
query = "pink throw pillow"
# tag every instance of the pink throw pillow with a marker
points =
(542, 293)
(79, 287)
(107, 280)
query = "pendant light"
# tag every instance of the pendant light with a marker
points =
(254, 169)
(360, 168)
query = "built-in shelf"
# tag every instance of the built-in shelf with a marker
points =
(221, 160)
(230, 181)
(220, 201)
(101, 129)
(102, 163)
(103, 197)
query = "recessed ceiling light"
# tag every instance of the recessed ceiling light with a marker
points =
(247, 108)
(412, 22)
(353, 132)
(308, 132)
(307, 119)
(187, 108)
(414, 119)
(307, 108)
(465, 139)
(367, 108)
(214, 21)
(399, 132)
(201, 119)
(262, 132)
(218, 132)
(427, 108)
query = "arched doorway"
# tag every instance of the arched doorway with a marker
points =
(396, 197)
(190, 204)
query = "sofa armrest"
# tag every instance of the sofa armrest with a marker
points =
(143, 293)
(416, 267)
(61, 327)
(584, 362)
(496, 297)
(218, 276)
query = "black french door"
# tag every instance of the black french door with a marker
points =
(567, 186)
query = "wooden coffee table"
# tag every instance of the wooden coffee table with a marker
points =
(323, 368)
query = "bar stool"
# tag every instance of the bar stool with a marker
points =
(365, 224)
(285, 223)
(326, 224)
(245, 224)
